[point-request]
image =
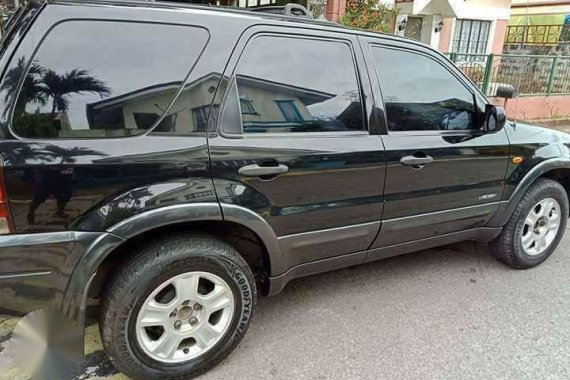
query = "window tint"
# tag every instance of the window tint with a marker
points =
(104, 79)
(420, 94)
(298, 85)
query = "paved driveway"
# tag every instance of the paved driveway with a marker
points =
(446, 313)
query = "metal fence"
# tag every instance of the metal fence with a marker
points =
(529, 74)
(523, 35)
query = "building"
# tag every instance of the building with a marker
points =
(264, 105)
(539, 27)
(460, 26)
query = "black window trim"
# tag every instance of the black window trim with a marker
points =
(286, 32)
(409, 48)
(44, 36)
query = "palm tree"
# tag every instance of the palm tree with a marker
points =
(69, 155)
(31, 88)
(58, 87)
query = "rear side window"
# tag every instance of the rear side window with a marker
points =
(422, 95)
(93, 79)
(290, 84)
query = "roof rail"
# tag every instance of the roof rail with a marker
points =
(287, 10)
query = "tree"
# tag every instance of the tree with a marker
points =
(57, 87)
(32, 90)
(369, 14)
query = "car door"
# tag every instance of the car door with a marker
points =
(293, 143)
(445, 173)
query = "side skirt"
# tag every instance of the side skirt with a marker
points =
(277, 283)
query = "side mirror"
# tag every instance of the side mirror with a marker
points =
(506, 92)
(495, 118)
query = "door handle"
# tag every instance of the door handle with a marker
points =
(259, 171)
(416, 161)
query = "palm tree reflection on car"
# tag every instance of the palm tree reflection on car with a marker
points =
(40, 86)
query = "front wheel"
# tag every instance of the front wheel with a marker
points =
(536, 227)
(177, 308)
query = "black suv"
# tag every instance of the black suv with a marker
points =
(168, 164)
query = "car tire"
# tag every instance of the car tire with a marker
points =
(532, 233)
(151, 289)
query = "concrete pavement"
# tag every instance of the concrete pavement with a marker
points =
(447, 313)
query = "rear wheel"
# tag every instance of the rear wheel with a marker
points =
(536, 227)
(177, 308)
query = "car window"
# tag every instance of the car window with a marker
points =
(106, 79)
(422, 95)
(298, 85)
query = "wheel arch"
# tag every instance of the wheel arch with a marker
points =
(557, 169)
(244, 240)
(246, 231)
(562, 176)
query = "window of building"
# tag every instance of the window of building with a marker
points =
(289, 110)
(414, 27)
(116, 80)
(471, 36)
(145, 120)
(422, 95)
(299, 85)
(247, 107)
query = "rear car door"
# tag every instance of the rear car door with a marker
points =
(445, 173)
(81, 139)
(293, 143)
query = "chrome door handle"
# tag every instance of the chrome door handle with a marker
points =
(416, 161)
(258, 171)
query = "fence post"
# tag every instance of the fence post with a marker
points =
(552, 75)
(488, 73)
(453, 57)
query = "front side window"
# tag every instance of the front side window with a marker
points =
(290, 84)
(106, 79)
(421, 95)
(471, 37)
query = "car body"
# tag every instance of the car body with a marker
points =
(294, 204)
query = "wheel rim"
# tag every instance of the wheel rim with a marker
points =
(185, 317)
(541, 227)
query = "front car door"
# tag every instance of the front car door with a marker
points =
(293, 143)
(445, 173)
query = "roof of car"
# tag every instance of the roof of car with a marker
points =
(223, 9)
(305, 21)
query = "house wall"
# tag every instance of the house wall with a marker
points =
(194, 97)
(536, 107)
(445, 34)
(496, 11)
(198, 96)
(335, 10)
(539, 7)
(499, 38)
(151, 104)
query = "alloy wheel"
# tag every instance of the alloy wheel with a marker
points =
(185, 317)
(541, 227)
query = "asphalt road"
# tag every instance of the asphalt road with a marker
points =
(447, 313)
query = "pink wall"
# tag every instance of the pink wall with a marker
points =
(536, 107)
(445, 35)
(500, 31)
(335, 9)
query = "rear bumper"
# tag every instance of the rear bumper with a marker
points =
(35, 269)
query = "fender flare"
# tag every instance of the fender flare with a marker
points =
(506, 208)
(74, 300)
